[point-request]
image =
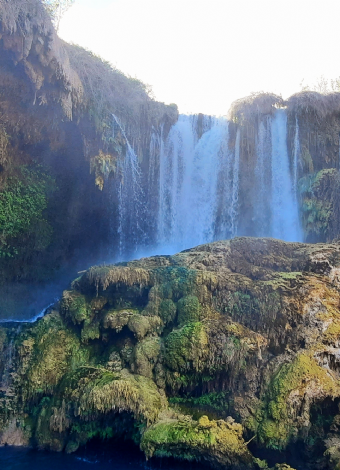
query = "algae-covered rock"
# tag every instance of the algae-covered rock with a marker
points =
(242, 337)
(218, 442)
(186, 348)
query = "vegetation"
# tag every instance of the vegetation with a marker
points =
(277, 427)
(101, 369)
(197, 440)
(316, 104)
(57, 9)
(245, 110)
(23, 201)
(319, 193)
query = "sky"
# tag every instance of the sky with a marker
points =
(204, 54)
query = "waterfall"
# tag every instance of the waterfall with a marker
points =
(285, 220)
(131, 200)
(175, 171)
(195, 190)
(263, 177)
(190, 168)
(296, 156)
(235, 186)
(156, 149)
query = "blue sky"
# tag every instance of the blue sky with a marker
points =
(203, 54)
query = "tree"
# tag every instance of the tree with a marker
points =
(57, 8)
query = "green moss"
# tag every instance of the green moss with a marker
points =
(189, 309)
(307, 160)
(266, 304)
(180, 281)
(167, 311)
(146, 355)
(94, 391)
(316, 216)
(186, 348)
(318, 192)
(117, 319)
(90, 331)
(277, 427)
(23, 200)
(291, 275)
(214, 402)
(141, 325)
(74, 306)
(48, 351)
(196, 440)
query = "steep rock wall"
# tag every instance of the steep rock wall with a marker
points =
(56, 106)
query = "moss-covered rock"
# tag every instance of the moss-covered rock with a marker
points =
(189, 309)
(218, 442)
(319, 194)
(186, 348)
(247, 328)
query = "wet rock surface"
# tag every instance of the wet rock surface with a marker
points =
(216, 354)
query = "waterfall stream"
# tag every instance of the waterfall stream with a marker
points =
(131, 199)
(190, 172)
(285, 220)
(195, 191)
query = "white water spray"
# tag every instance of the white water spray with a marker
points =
(296, 157)
(190, 169)
(196, 187)
(285, 220)
(131, 200)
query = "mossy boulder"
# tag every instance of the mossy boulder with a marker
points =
(245, 328)
(75, 307)
(218, 442)
(186, 348)
(189, 310)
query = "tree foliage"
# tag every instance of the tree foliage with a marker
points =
(57, 8)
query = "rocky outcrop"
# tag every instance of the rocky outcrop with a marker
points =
(313, 125)
(58, 147)
(216, 354)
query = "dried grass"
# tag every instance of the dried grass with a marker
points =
(249, 108)
(315, 104)
(103, 277)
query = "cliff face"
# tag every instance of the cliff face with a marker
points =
(58, 147)
(189, 355)
(312, 137)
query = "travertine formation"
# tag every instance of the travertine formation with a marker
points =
(218, 353)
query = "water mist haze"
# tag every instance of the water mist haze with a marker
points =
(192, 192)
(194, 187)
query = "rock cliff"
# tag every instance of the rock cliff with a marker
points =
(58, 147)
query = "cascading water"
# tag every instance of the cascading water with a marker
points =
(285, 218)
(196, 187)
(296, 157)
(235, 187)
(263, 178)
(190, 173)
(131, 200)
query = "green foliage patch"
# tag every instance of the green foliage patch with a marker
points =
(22, 204)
